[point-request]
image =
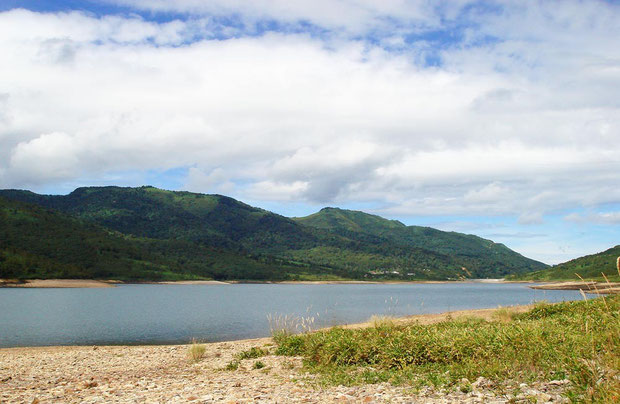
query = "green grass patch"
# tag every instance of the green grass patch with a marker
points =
(232, 365)
(575, 340)
(252, 353)
(258, 365)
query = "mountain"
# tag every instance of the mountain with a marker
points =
(331, 243)
(477, 255)
(37, 242)
(588, 267)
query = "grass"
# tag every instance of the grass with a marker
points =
(252, 353)
(285, 325)
(232, 365)
(574, 340)
(381, 321)
(196, 351)
(258, 365)
(503, 314)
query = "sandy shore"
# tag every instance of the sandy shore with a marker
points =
(191, 283)
(92, 283)
(588, 287)
(57, 283)
(89, 283)
(163, 374)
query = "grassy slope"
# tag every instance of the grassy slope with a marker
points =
(575, 340)
(361, 243)
(588, 267)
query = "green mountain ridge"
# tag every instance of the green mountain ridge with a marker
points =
(36, 242)
(472, 251)
(332, 243)
(587, 267)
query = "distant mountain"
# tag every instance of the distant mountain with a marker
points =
(588, 267)
(349, 220)
(260, 244)
(479, 256)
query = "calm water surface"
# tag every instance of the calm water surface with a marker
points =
(158, 314)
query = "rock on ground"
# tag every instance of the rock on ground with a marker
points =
(164, 374)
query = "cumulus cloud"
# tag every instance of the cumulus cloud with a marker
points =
(49, 157)
(521, 116)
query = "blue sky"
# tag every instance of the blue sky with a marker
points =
(500, 119)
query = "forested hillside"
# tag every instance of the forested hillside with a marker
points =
(477, 255)
(183, 234)
(42, 243)
(587, 267)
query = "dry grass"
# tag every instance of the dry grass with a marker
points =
(284, 325)
(196, 351)
(503, 314)
(381, 321)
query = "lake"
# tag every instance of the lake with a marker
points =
(162, 314)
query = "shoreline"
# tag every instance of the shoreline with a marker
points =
(164, 373)
(591, 287)
(95, 283)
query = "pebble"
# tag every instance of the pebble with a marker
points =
(158, 374)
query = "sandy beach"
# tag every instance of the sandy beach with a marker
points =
(587, 287)
(57, 283)
(93, 283)
(123, 374)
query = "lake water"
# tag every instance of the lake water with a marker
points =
(160, 314)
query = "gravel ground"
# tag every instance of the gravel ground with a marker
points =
(164, 374)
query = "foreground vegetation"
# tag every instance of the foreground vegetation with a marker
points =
(596, 267)
(147, 233)
(579, 341)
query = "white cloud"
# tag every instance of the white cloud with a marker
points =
(524, 125)
(51, 156)
(611, 218)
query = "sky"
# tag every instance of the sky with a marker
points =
(495, 118)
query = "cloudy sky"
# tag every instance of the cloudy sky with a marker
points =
(500, 119)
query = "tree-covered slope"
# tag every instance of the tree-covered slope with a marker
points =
(37, 242)
(214, 220)
(588, 267)
(479, 256)
(349, 220)
(332, 242)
